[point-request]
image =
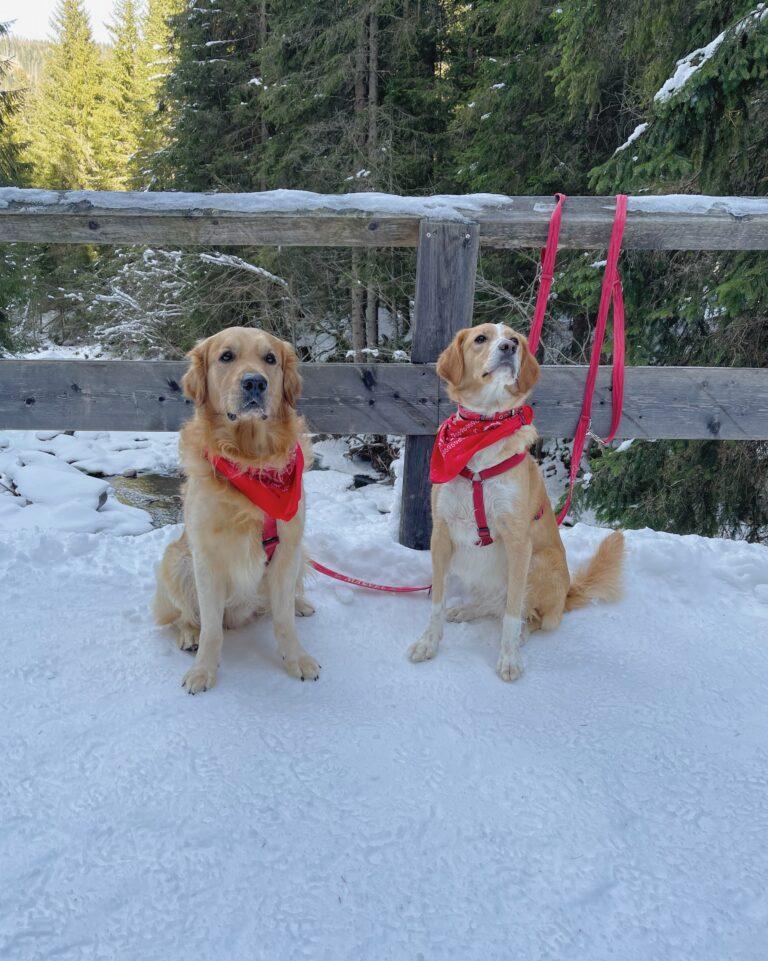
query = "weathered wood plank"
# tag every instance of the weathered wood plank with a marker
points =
(285, 217)
(446, 266)
(145, 395)
(728, 403)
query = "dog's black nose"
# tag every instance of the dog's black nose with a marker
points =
(509, 345)
(254, 384)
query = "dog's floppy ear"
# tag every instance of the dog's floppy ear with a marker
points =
(450, 364)
(529, 368)
(194, 382)
(291, 375)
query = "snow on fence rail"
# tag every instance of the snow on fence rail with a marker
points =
(723, 403)
(297, 217)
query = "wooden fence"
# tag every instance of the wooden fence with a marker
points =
(660, 402)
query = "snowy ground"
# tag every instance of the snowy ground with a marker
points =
(610, 804)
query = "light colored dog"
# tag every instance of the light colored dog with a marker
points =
(244, 384)
(523, 575)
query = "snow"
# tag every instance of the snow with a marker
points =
(637, 132)
(456, 207)
(332, 453)
(686, 68)
(230, 260)
(47, 350)
(51, 485)
(674, 204)
(45, 482)
(694, 61)
(611, 803)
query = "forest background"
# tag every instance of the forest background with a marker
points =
(414, 97)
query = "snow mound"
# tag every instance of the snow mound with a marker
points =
(609, 804)
(44, 480)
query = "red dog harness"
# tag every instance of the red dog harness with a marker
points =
(461, 437)
(276, 492)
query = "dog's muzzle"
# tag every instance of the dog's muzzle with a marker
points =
(505, 354)
(253, 392)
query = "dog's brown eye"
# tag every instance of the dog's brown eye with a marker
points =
(270, 358)
(226, 357)
(514, 340)
(480, 339)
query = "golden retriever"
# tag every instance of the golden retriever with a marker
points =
(244, 384)
(523, 575)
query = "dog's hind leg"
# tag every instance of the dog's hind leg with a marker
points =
(175, 600)
(302, 606)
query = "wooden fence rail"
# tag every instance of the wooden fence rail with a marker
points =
(298, 218)
(721, 403)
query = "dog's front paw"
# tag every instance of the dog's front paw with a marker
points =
(303, 607)
(304, 667)
(187, 639)
(509, 667)
(424, 649)
(199, 678)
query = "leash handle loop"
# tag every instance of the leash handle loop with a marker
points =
(611, 295)
(548, 259)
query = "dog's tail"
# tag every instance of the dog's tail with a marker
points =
(600, 579)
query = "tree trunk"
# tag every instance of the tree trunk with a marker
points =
(579, 338)
(357, 312)
(371, 310)
(372, 299)
(264, 133)
(373, 91)
(361, 52)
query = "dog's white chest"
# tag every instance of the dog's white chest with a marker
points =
(501, 495)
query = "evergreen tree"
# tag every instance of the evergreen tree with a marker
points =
(61, 125)
(320, 96)
(157, 57)
(11, 166)
(705, 133)
(123, 107)
(214, 88)
(13, 279)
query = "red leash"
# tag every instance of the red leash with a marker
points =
(322, 569)
(611, 294)
(270, 539)
(548, 258)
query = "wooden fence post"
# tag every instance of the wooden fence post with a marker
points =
(445, 290)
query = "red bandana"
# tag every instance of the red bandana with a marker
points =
(276, 492)
(465, 433)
